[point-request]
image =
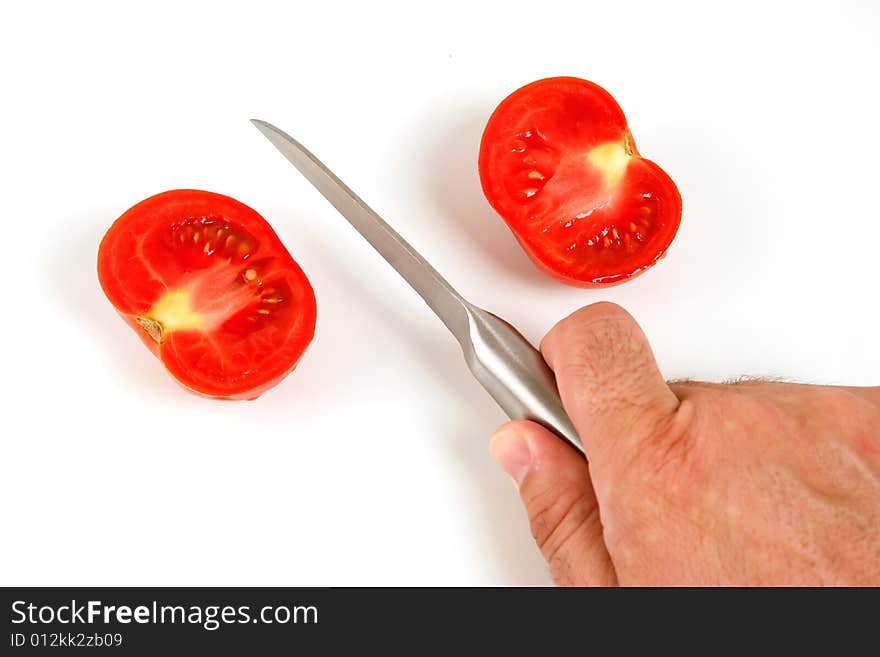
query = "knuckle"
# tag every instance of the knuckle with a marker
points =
(564, 569)
(555, 518)
(605, 351)
(672, 447)
(665, 453)
(547, 512)
(575, 324)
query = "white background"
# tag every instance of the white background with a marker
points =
(369, 465)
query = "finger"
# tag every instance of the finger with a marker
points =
(554, 483)
(608, 380)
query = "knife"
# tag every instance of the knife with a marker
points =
(511, 370)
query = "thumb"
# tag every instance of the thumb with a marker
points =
(610, 386)
(554, 483)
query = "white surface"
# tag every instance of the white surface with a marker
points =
(369, 464)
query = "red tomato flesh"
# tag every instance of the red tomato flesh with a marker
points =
(559, 164)
(210, 289)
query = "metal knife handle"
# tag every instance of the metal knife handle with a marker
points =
(514, 373)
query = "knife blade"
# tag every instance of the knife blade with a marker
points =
(511, 370)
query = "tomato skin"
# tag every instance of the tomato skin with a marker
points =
(559, 164)
(209, 288)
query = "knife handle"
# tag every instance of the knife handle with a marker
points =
(515, 374)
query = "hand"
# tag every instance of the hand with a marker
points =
(752, 483)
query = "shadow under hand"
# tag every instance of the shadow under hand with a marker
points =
(496, 516)
(451, 176)
(448, 154)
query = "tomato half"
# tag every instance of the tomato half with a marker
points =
(559, 164)
(210, 289)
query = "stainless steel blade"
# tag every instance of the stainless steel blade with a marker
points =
(418, 272)
(501, 359)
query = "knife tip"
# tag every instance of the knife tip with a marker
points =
(268, 130)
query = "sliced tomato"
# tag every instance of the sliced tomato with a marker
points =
(559, 164)
(210, 289)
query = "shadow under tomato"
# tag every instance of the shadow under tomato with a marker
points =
(451, 176)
